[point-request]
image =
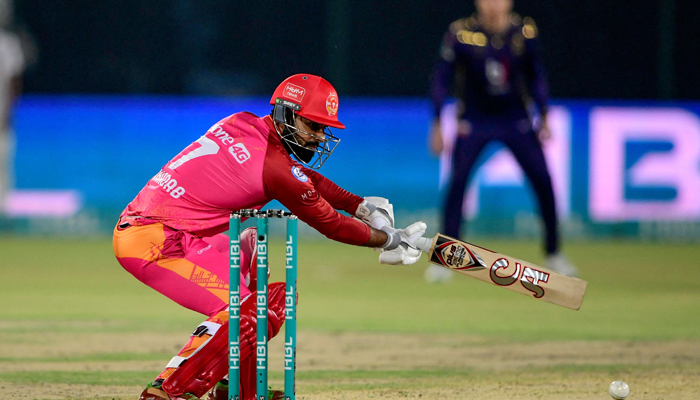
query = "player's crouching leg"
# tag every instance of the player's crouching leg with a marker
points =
(275, 319)
(199, 338)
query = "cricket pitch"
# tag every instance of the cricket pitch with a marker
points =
(367, 365)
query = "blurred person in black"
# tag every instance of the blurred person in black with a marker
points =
(492, 61)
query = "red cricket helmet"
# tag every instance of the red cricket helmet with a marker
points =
(310, 96)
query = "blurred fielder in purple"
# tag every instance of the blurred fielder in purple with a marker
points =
(492, 64)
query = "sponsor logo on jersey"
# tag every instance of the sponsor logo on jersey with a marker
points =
(332, 104)
(294, 92)
(239, 152)
(299, 174)
(204, 249)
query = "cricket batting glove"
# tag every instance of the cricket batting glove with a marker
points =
(404, 246)
(376, 212)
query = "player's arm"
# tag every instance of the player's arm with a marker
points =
(296, 191)
(300, 196)
(534, 71)
(443, 72)
(376, 212)
(440, 83)
(337, 197)
(320, 215)
(399, 246)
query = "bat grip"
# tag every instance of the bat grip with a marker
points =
(424, 244)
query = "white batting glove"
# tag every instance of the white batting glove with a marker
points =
(404, 246)
(376, 212)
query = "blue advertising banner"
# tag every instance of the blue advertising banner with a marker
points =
(617, 168)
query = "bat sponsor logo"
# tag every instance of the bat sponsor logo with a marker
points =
(531, 281)
(454, 255)
(503, 274)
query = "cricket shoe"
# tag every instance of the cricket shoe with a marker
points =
(220, 392)
(154, 391)
(559, 263)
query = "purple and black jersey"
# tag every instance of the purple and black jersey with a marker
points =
(497, 78)
(492, 74)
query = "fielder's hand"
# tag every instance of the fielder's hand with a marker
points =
(435, 142)
(404, 246)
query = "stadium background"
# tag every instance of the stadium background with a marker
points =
(120, 87)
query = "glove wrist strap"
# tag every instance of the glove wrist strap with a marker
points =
(392, 238)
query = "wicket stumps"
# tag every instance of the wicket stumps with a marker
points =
(290, 331)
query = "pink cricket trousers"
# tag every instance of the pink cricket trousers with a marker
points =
(191, 271)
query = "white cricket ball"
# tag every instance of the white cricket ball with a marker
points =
(619, 390)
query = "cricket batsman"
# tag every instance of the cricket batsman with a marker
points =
(170, 237)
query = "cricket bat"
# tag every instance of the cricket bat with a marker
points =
(507, 272)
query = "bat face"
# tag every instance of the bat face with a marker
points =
(453, 254)
(507, 272)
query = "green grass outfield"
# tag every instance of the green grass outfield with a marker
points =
(637, 292)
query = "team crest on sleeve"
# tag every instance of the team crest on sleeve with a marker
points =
(332, 104)
(299, 174)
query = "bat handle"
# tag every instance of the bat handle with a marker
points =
(424, 244)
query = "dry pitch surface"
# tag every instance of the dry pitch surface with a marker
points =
(386, 366)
